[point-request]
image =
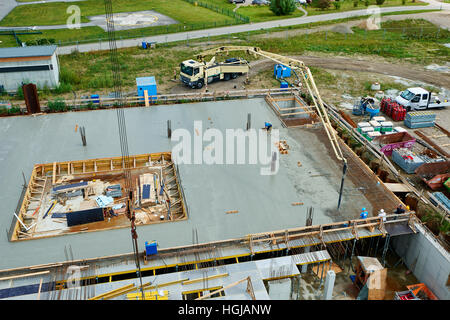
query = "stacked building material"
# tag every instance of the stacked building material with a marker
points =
(379, 119)
(400, 129)
(376, 125)
(103, 201)
(389, 107)
(420, 119)
(442, 198)
(407, 160)
(384, 103)
(386, 126)
(362, 125)
(114, 191)
(372, 135)
(365, 131)
(398, 113)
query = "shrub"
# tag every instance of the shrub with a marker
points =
(355, 3)
(69, 76)
(19, 93)
(337, 5)
(323, 4)
(282, 7)
(380, 2)
(366, 3)
(13, 110)
(57, 105)
(63, 88)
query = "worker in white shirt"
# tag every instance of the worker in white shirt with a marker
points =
(381, 213)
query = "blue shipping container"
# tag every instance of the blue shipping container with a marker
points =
(146, 83)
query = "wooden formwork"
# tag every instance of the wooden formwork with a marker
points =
(47, 174)
(299, 115)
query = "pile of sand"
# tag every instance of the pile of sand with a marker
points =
(368, 25)
(342, 28)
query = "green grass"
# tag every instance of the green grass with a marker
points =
(55, 13)
(347, 5)
(91, 71)
(94, 34)
(263, 13)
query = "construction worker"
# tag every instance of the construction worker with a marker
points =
(267, 126)
(381, 213)
(400, 209)
(364, 213)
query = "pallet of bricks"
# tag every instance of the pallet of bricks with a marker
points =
(392, 109)
(420, 119)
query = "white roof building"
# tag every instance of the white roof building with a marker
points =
(33, 64)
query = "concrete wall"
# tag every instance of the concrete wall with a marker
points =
(427, 259)
(12, 80)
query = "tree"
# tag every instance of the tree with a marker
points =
(282, 7)
(323, 4)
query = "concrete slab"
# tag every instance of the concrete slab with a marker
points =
(264, 202)
(133, 20)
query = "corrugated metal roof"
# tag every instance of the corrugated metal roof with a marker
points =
(31, 51)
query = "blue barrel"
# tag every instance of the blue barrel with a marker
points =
(95, 98)
(284, 84)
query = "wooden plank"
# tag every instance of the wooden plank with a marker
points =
(397, 187)
(294, 113)
(147, 104)
(207, 278)
(54, 173)
(25, 275)
(128, 286)
(39, 291)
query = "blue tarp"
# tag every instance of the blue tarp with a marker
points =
(73, 185)
(146, 191)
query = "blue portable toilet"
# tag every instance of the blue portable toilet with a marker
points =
(151, 248)
(146, 83)
(144, 45)
(281, 71)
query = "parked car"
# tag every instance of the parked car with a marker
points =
(260, 2)
(237, 1)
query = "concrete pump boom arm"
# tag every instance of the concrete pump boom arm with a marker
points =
(307, 78)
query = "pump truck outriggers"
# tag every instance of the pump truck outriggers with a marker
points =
(196, 74)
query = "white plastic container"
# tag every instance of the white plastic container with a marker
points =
(379, 119)
(400, 129)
